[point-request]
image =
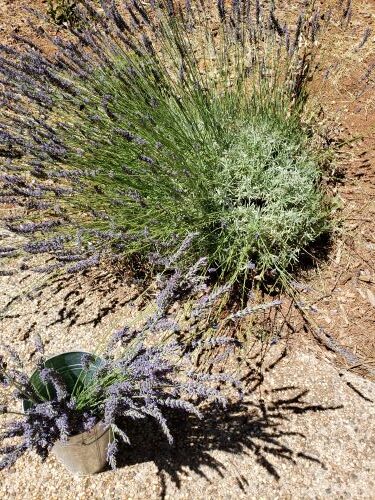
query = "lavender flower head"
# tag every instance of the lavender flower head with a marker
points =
(50, 376)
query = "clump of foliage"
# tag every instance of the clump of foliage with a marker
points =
(159, 120)
(62, 11)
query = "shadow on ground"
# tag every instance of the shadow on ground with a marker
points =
(248, 428)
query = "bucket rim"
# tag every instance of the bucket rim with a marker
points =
(26, 404)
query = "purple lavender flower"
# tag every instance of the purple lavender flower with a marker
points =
(33, 227)
(50, 376)
(214, 342)
(236, 7)
(135, 196)
(185, 245)
(168, 294)
(221, 9)
(180, 404)
(170, 7)
(124, 335)
(111, 453)
(13, 355)
(365, 37)
(111, 409)
(209, 300)
(251, 310)
(49, 269)
(62, 423)
(251, 266)
(166, 324)
(129, 136)
(69, 257)
(297, 33)
(84, 264)
(141, 11)
(87, 360)
(44, 246)
(275, 24)
(10, 458)
(147, 159)
(347, 11)
(154, 412)
(89, 421)
(315, 26)
(258, 11)
(4, 251)
(201, 391)
(38, 343)
(105, 103)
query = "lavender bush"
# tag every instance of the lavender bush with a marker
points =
(155, 120)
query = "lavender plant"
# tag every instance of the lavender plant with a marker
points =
(156, 120)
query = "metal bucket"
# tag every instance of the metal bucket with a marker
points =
(85, 453)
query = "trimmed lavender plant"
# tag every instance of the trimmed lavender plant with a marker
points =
(157, 120)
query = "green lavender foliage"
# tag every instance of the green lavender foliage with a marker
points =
(182, 122)
(62, 11)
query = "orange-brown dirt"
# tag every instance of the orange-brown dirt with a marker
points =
(344, 285)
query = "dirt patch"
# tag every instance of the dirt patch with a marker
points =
(342, 289)
(14, 18)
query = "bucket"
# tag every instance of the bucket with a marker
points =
(84, 453)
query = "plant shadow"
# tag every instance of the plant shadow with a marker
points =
(316, 253)
(257, 428)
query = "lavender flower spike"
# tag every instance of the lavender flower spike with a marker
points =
(50, 376)
(251, 310)
(111, 454)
